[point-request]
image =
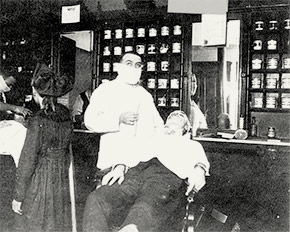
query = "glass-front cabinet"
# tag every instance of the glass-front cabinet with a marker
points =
(160, 45)
(269, 73)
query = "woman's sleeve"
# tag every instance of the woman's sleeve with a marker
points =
(28, 159)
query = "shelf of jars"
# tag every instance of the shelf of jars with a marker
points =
(16, 57)
(160, 46)
(269, 77)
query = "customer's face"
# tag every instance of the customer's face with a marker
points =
(130, 68)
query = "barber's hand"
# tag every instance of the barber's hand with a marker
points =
(196, 181)
(16, 206)
(22, 111)
(117, 174)
(129, 118)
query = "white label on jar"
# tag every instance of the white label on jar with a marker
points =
(176, 47)
(285, 81)
(106, 67)
(106, 51)
(151, 49)
(152, 32)
(256, 82)
(272, 44)
(177, 30)
(257, 45)
(271, 83)
(129, 33)
(286, 63)
(272, 63)
(117, 50)
(128, 48)
(162, 83)
(174, 83)
(118, 33)
(285, 102)
(151, 66)
(115, 64)
(164, 65)
(259, 25)
(107, 34)
(258, 102)
(273, 25)
(164, 31)
(287, 23)
(141, 32)
(151, 83)
(270, 102)
(257, 64)
(140, 49)
(164, 48)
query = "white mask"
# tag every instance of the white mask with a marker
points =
(3, 86)
(129, 75)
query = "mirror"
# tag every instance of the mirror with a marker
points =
(217, 71)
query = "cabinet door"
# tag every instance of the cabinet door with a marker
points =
(269, 72)
(67, 57)
(208, 78)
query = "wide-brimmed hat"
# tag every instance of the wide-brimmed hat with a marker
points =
(47, 83)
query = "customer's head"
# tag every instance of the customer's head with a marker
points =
(224, 121)
(129, 68)
(177, 123)
(6, 82)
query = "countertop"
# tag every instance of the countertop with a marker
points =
(246, 141)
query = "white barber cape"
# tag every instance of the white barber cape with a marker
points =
(12, 137)
(121, 143)
(179, 154)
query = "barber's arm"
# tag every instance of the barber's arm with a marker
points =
(15, 109)
(99, 116)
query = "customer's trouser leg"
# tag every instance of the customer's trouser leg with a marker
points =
(105, 200)
(158, 198)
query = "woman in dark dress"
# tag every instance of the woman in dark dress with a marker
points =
(42, 200)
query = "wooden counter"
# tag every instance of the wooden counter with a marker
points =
(249, 182)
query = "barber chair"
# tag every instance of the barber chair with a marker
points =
(195, 213)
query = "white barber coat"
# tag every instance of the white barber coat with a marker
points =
(120, 143)
(12, 137)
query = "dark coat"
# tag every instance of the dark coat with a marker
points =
(42, 183)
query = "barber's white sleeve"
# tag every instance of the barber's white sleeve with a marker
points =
(100, 117)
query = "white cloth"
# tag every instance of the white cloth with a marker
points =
(119, 142)
(197, 118)
(177, 153)
(12, 137)
(3, 86)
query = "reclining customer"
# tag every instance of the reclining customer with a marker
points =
(145, 193)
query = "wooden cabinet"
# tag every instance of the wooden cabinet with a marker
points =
(160, 43)
(17, 60)
(269, 72)
(249, 182)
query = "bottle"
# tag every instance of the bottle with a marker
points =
(253, 127)
(241, 133)
(271, 132)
